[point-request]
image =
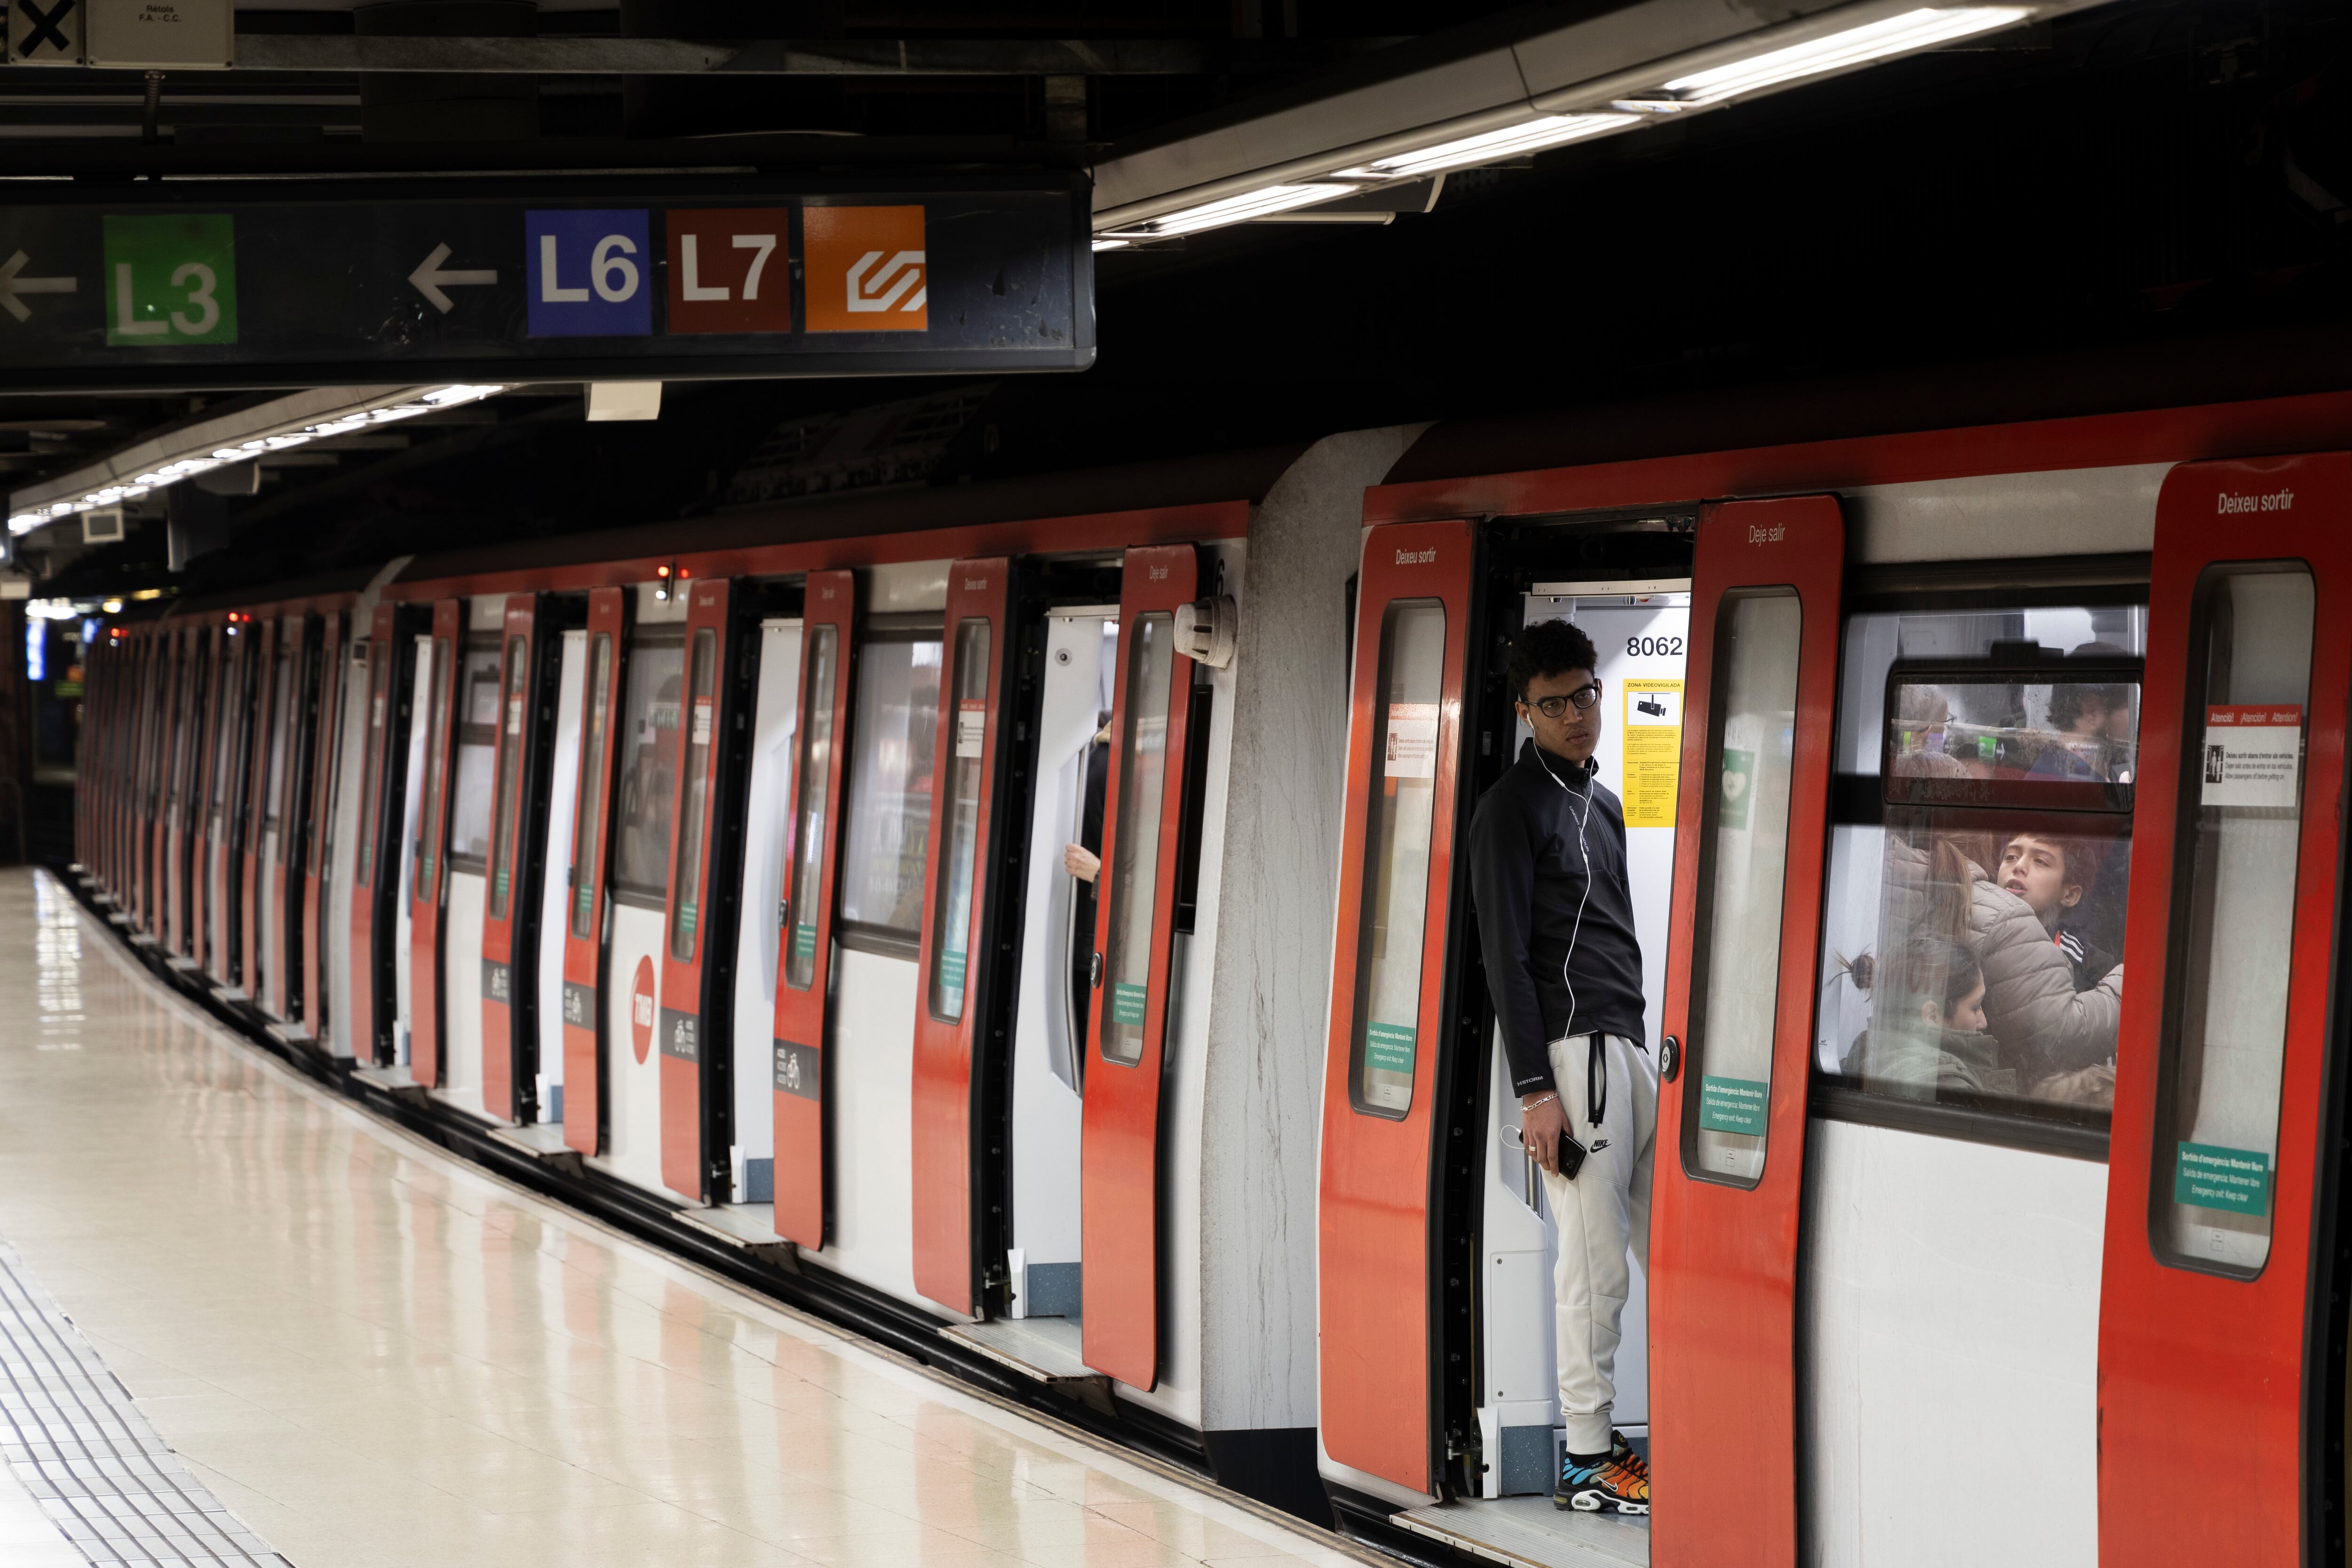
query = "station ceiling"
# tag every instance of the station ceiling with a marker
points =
(2058, 180)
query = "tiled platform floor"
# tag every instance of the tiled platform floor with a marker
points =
(377, 1356)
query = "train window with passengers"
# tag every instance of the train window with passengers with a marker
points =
(1985, 756)
(477, 739)
(645, 796)
(893, 732)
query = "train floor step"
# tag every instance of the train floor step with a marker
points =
(1530, 1532)
(751, 1227)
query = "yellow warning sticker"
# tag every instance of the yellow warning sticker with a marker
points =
(1652, 750)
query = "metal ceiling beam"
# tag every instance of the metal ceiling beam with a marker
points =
(331, 53)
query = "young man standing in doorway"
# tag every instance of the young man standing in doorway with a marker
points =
(1556, 926)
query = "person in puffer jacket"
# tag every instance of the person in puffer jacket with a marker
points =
(2045, 1027)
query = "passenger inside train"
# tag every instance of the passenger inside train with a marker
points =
(2003, 822)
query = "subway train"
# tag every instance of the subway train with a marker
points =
(1032, 909)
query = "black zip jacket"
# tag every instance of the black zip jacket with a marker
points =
(1527, 880)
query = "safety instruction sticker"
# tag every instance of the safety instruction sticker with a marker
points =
(1413, 741)
(1127, 1001)
(2252, 755)
(1733, 1105)
(1388, 1047)
(804, 942)
(972, 723)
(952, 971)
(1652, 752)
(2207, 1176)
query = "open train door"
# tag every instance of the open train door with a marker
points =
(698, 917)
(1752, 831)
(319, 843)
(254, 804)
(285, 789)
(518, 853)
(2216, 1335)
(828, 619)
(1380, 1088)
(956, 982)
(429, 891)
(1119, 1164)
(592, 833)
(375, 875)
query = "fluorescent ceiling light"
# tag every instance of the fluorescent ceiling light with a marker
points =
(181, 465)
(1111, 244)
(1876, 40)
(1243, 207)
(1551, 130)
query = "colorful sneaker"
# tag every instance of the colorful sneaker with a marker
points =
(1612, 1486)
(1625, 1454)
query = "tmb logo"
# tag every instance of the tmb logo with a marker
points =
(867, 270)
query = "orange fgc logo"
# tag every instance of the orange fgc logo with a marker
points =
(865, 270)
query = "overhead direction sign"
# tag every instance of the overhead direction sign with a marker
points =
(181, 286)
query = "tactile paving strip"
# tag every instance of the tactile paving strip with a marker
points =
(71, 1435)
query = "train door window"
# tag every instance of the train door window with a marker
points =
(437, 741)
(510, 773)
(817, 781)
(648, 793)
(588, 822)
(1743, 866)
(888, 833)
(952, 907)
(2233, 919)
(1134, 871)
(1979, 858)
(379, 660)
(1396, 856)
(478, 742)
(685, 907)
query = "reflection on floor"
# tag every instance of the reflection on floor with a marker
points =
(1529, 1530)
(381, 1358)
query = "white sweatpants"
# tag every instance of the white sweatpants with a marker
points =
(1599, 1215)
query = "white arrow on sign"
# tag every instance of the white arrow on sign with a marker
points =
(11, 285)
(429, 277)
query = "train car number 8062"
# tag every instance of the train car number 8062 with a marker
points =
(1653, 648)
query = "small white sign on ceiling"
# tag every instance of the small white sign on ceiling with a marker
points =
(160, 35)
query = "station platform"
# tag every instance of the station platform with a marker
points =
(242, 1320)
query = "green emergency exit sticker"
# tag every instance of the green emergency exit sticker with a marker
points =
(1733, 1105)
(952, 970)
(1388, 1047)
(1126, 1004)
(804, 941)
(2205, 1176)
(171, 281)
(1739, 783)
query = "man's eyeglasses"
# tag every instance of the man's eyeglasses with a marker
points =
(1583, 696)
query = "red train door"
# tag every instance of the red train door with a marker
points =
(828, 626)
(188, 819)
(326, 771)
(950, 984)
(697, 925)
(286, 751)
(428, 891)
(583, 937)
(506, 911)
(375, 864)
(155, 699)
(1380, 1086)
(1118, 1163)
(2213, 1337)
(253, 803)
(1728, 1186)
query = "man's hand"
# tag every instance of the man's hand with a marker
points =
(1081, 862)
(1540, 1127)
